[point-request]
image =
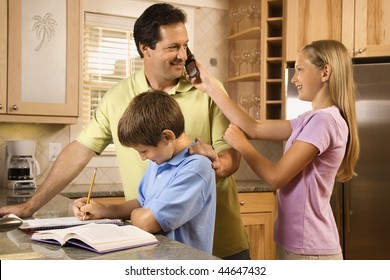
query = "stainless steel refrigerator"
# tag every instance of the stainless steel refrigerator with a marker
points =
(362, 206)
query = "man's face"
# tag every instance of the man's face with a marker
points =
(167, 59)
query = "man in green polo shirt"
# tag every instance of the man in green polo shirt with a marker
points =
(161, 39)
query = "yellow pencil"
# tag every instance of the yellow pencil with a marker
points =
(90, 190)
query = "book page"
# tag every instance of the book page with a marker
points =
(61, 222)
(59, 235)
(99, 237)
(97, 233)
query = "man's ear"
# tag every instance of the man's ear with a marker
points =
(144, 49)
(326, 72)
(168, 135)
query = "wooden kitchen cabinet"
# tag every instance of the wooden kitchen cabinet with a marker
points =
(17, 106)
(310, 20)
(363, 26)
(256, 57)
(371, 35)
(3, 55)
(258, 212)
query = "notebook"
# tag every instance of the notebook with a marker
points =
(60, 222)
(100, 238)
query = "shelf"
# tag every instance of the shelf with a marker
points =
(275, 41)
(274, 81)
(275, 21)
(273, 102)
(249, 34)
(252, 77)
(267, 36)
(274, 60)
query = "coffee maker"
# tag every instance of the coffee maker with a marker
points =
(21, 166)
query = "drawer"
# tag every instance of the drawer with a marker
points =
(257, 202)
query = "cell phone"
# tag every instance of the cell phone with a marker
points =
(190, 65)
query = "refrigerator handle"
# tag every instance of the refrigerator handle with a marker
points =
(348, 209)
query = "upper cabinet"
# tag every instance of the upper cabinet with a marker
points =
(362, 25)
(3, 55)
(43, 61)
(310, 20)
(256, 57)
(372, 28)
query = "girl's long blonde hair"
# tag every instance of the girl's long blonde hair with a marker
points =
(342, 89)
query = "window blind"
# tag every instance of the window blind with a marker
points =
(109, 55)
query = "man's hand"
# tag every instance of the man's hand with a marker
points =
(20, 210)
(206, 150)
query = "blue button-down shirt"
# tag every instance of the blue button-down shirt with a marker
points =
(181, 194)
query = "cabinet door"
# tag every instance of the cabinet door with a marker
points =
(60, 99)
(310, 20)
(372, 28)
(3, 55)
(258, 215)
(260, 231)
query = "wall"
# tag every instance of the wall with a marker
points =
(210, 44)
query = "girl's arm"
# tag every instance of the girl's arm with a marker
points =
(277, 174)
(266, 130)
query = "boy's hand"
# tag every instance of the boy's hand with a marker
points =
(93, 210)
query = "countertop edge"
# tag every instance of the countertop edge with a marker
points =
(242, 187)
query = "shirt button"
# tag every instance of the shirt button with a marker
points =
(159, 176)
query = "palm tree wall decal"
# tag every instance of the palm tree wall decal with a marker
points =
(44, 28)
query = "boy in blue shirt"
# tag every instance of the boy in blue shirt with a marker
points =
(177, 194)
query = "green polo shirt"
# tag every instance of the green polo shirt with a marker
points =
(203, 119)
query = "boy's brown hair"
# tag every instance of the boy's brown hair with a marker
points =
(147, 116)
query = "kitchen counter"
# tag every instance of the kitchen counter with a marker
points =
(253, 186)
(101, 190)
(16, 244)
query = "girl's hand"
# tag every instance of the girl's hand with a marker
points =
(204, 81)
(235, 137)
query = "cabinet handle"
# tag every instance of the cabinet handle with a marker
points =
(1, 106)
(242, 203)
(360, 51)
(15, 107)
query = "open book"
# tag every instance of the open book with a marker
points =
(100, 238)
(60, 222)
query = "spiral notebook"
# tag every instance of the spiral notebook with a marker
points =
(60, 222)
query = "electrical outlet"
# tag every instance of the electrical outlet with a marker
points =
(54, 150)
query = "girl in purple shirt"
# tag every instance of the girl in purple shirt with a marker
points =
(322, 146)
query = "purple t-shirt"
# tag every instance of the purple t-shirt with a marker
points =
(305, 223)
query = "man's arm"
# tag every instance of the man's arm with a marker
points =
(229, 162)
(69, 164)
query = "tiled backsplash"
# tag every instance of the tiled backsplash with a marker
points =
(211, 49)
